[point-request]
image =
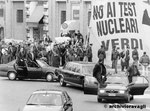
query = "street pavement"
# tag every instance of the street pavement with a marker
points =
(14, 94)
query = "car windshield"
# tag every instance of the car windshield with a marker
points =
(117, 80)
(42, 63)
(88, 69)
(45, 99)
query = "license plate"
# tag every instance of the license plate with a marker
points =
(111, 94)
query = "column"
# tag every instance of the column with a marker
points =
(46, 18)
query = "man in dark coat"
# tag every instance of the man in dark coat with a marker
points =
(20, 60)
(99, 72)
(135, 55)
(20, 65)
(127, 57)
(10, 51)
(122, 57)
(132, 71)
(89, 53)
(56, 56)
(31, 57)
(115, 55)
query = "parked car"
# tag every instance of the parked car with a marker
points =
(116, 87)
(38, 70)
(49, 100)
(74, 73)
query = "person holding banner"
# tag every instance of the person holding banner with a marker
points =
(145, 61)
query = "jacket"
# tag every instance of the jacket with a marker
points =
(99, 71)
(133, 71)
(144, 60)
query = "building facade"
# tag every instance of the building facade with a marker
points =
(34, 19)
(2, 19)
(15, 19)
(62, 10)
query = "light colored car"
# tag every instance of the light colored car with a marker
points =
(49, 100)
(116, 87)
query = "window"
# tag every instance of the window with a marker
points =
(89, 17)
(63, 16)
(1, 12)
(76, 15)
(19, 16)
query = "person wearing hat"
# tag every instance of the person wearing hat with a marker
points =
(101, 54)
(132, 71)
(145, 61)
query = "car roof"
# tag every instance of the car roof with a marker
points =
(49, 91)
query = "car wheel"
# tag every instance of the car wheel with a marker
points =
(127, 100)
(99, 100)
(12, 75)
(49, 77)
(61, 81)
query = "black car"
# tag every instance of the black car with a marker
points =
(74, 73)
(38, 70)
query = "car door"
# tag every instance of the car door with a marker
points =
(68, 103)
(67, 72)
(90, 85)
(139, 85)
(78, 77)
(21, 69)
(34, 71)
(75, 74)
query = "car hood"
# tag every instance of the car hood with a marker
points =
(116, 86)
(42, 108)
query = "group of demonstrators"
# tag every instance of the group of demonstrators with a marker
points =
(55, 54)
(99, 71)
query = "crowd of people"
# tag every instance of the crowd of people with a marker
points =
(75, 49)
(124, 57)
(99, 71)
(55, 54)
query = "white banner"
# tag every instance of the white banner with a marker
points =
(120, 23)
